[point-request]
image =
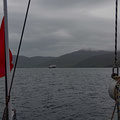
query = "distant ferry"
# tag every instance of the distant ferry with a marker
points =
(52, 66)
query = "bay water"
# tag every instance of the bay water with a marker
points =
(60, 94)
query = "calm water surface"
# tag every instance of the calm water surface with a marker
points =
(61, 94)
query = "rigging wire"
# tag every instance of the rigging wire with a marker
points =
(21, 39)
(116, 56)
(114, 110)
(16, 61)
(116, 30)
(115, 66)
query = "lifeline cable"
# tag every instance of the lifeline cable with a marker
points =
(116, 30)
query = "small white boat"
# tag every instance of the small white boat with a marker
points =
(52, 66)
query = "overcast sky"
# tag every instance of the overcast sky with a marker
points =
(56, 27)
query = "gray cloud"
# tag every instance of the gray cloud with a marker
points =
(70, 3)
(56, 27)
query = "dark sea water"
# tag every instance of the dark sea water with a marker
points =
(61, 94)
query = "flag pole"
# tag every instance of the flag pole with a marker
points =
(7, 64)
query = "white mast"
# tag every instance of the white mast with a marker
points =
(7, 57)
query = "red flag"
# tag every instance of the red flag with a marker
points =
(2, 51)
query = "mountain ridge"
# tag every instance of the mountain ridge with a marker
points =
(81, 58)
